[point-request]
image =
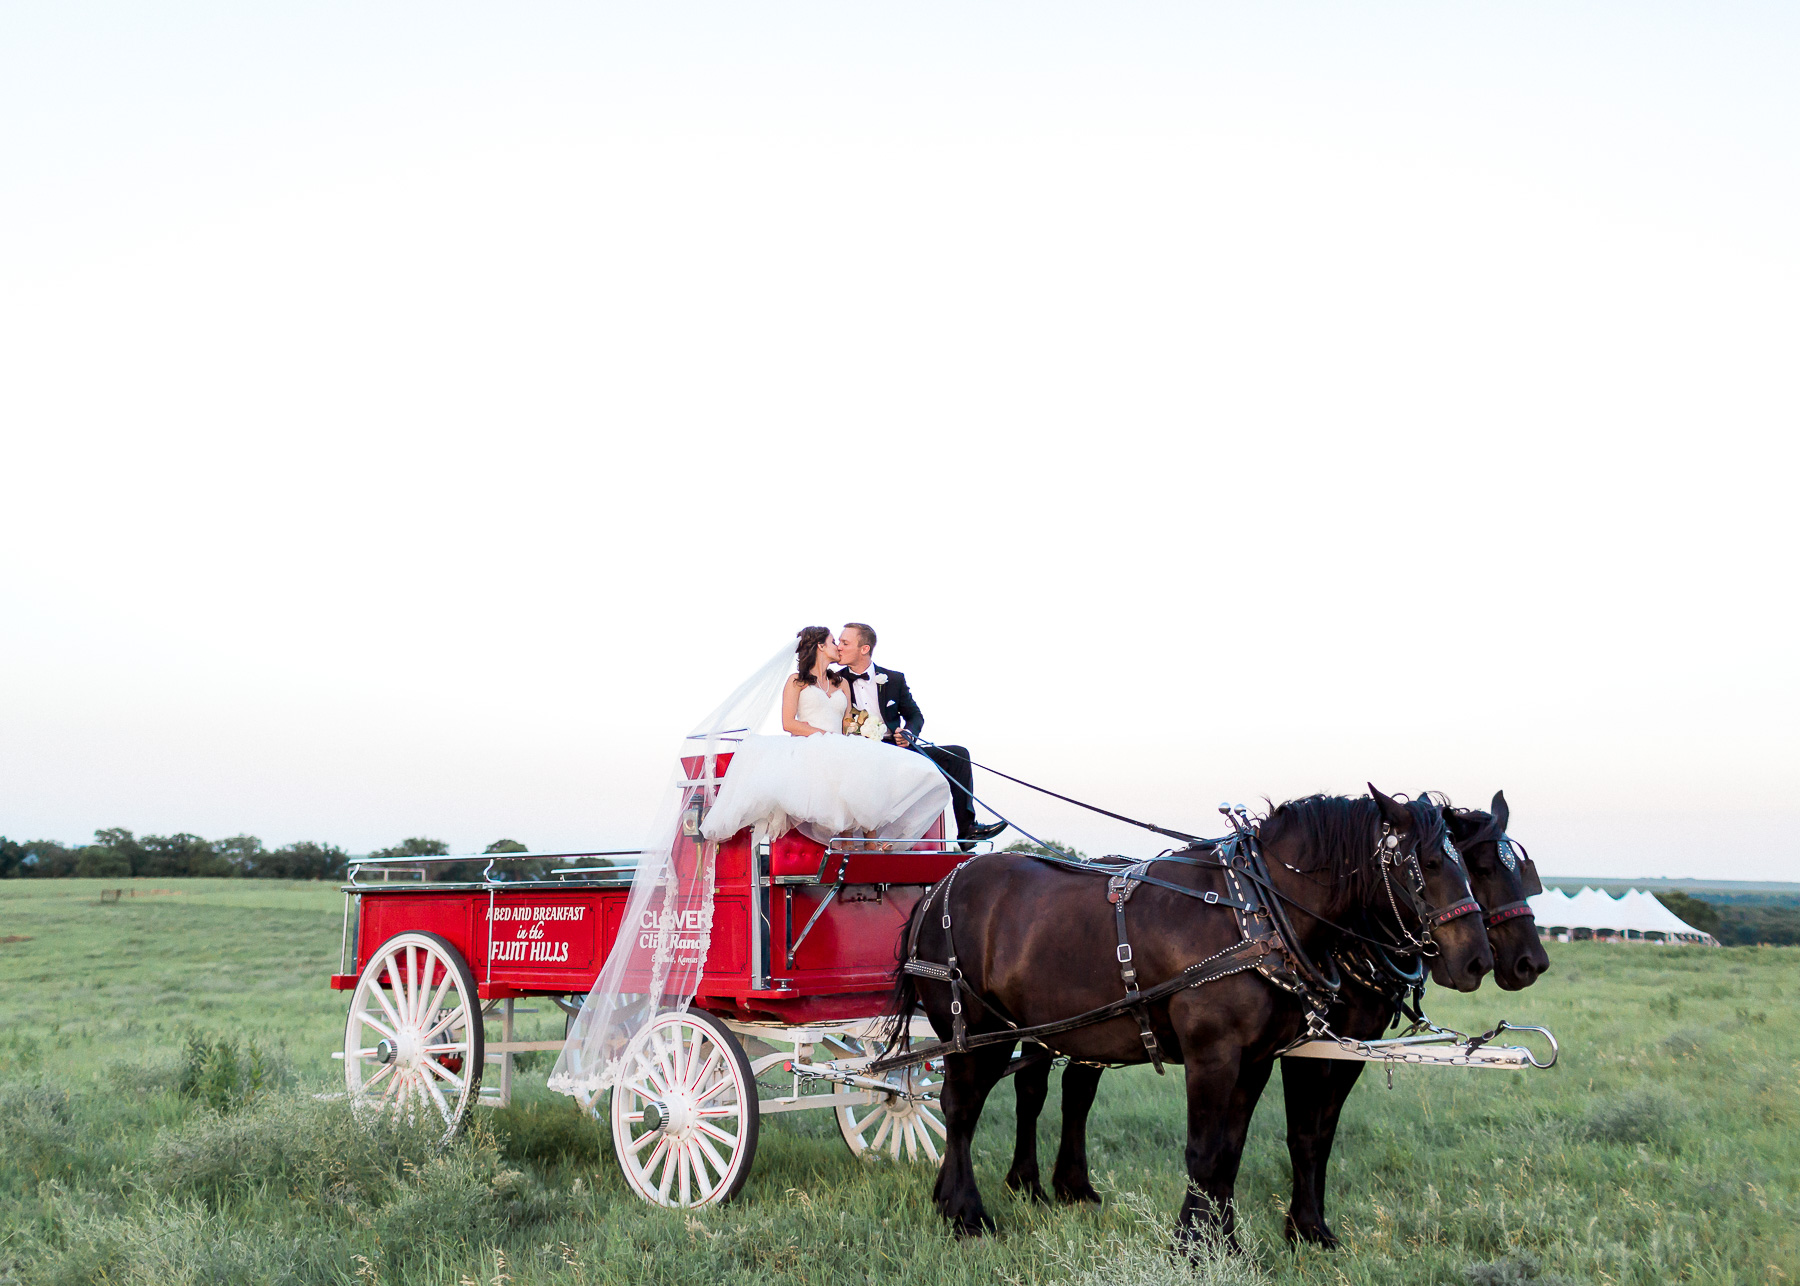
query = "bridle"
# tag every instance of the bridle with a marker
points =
(1410, 888)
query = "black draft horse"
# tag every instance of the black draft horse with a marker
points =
(1037, 943)
(1314, 1089)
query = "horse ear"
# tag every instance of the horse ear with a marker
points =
(1461, 823)
(1500, 811)
(1392, 811)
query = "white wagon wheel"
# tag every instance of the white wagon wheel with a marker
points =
(901, 1126)
(414, 1033)
(684, 1112)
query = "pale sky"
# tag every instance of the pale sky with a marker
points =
(414, 418)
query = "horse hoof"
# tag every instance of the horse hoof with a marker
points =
(1027, 1185)
(1319, 1235)
(1077, 1195)
(979, 1226)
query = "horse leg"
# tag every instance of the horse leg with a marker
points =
(1314, 1090)
(1032, 1082)
(967, 1080)
(1069, 1180)
(1222, 1094)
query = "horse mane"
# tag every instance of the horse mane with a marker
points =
(1337, 835)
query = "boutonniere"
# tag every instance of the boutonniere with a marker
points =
(880, 679)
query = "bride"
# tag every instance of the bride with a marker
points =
(818, 780)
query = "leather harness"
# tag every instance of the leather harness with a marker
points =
(1267, 945)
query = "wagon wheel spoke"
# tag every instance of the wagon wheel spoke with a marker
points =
(719, 1163)
(925, 1143)
(371, 1020)
(637, 1145)
(684, 1158)
(707, 1128)
(702, 1180)
(382, 1000)
(448, 1020)
(930, 1118)
(662, 1069)
(723, 1083)
(887, 1123)
(666, 1150)
(694, 1061)
(376, 1079)
(437, 1095)
(437, 1000)
(443, 1073)
(412, 984)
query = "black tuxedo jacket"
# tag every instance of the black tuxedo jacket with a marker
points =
(897, 708)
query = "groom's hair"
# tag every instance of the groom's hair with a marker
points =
(864, 632)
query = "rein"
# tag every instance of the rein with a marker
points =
(1092, 808)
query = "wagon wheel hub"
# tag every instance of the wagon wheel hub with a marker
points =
(385, 1051)
(676, 1113)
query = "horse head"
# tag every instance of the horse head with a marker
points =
(1502, 878)
(1423, 892)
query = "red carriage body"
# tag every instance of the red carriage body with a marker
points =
(802, 932)
(799, 962)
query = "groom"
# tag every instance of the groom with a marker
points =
(885, 693)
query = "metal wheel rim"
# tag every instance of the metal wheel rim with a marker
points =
(680, 1067)
(896, 1128)
(410, 1044)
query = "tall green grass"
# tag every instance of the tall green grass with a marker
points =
(159, 1057)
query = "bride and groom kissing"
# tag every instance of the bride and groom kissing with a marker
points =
(817, 779)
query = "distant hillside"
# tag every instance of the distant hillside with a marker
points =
(1725, 892)
(1733, 911)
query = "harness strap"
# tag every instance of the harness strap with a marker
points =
(1237, 959)
(1119, 889)
(1455, 911)
(1509, 911)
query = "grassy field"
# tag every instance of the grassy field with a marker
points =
(132, 1148)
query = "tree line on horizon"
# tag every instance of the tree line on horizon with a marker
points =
(119, 854)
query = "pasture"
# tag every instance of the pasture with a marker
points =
(158, 1058)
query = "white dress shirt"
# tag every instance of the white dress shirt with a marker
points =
(864, 691)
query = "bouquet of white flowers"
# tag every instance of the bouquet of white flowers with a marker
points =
(864, 723)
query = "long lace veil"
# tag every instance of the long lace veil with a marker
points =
(660, 953)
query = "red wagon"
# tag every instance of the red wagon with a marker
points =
(799, 965)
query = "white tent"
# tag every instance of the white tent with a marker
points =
(1637, 912)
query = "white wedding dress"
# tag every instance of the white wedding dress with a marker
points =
(827, 785)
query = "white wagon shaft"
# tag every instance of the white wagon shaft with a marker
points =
(1438, 1047)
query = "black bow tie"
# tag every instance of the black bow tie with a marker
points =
(853, 677)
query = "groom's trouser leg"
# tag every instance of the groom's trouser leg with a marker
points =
(954, 762)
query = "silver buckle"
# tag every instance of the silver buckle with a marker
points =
(1211, 899)
(1124, 953)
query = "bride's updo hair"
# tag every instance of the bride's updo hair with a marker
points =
(806, 652)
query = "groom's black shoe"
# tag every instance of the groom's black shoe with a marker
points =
(975, 833)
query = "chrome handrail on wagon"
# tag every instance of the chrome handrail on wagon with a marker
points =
(613, 875)
(610, 872)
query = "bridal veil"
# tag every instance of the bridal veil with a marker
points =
(660, 954)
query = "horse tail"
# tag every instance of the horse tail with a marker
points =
(905, 997)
